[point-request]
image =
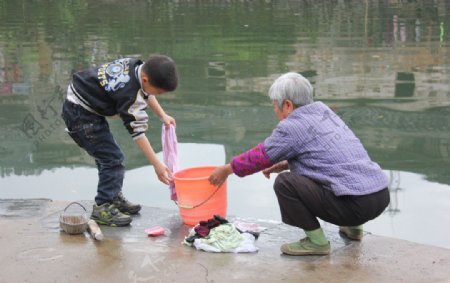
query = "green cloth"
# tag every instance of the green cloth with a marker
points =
(224, 237)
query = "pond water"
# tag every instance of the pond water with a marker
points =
(383, 66)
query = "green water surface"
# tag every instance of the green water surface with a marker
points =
(383, 66)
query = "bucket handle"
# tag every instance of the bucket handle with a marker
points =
(75, 203)
(197, 205)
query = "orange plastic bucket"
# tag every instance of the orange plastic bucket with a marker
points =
(197, 199)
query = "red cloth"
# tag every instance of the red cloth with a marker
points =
(204, 227)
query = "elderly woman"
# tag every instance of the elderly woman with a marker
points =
(330, 175)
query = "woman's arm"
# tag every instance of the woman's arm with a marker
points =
(276, 168)
(246, 163)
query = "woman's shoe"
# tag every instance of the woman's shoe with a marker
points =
(352, 233)
(305, 247)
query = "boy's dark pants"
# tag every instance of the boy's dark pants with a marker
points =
(91, 132)
(301, 201)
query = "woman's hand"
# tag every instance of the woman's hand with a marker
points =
(220, 175)
(276, 168)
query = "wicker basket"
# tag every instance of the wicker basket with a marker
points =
(72, 223)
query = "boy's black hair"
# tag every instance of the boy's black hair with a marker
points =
(161, 71)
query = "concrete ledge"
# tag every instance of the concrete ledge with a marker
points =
(34, 250)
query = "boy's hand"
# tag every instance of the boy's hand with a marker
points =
(220, 175)
(163, 173)
(167, 120)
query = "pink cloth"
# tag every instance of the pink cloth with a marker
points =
(155, 231)
(170, 154)
(251, 161)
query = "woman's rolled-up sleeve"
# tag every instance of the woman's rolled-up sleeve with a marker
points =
(251, 161)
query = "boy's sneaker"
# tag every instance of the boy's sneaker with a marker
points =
(352, 233)
(125, 206)
(305, 247)
(108, 214)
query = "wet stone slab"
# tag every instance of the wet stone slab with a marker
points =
(35, 250)
(20, 208)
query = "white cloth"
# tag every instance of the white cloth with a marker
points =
(248, 226)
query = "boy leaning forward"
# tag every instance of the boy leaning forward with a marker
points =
(124, 87)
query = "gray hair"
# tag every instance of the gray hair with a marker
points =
(294, 87)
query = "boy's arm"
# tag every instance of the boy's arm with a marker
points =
(153, 104)
(161, 170)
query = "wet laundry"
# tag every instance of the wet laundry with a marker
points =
(218, 235)
(202, 229)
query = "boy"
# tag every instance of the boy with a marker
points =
(124, 87)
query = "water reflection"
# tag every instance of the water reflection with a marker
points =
(410, 213)
(407, 216)
(382, 65)
(79, 183)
